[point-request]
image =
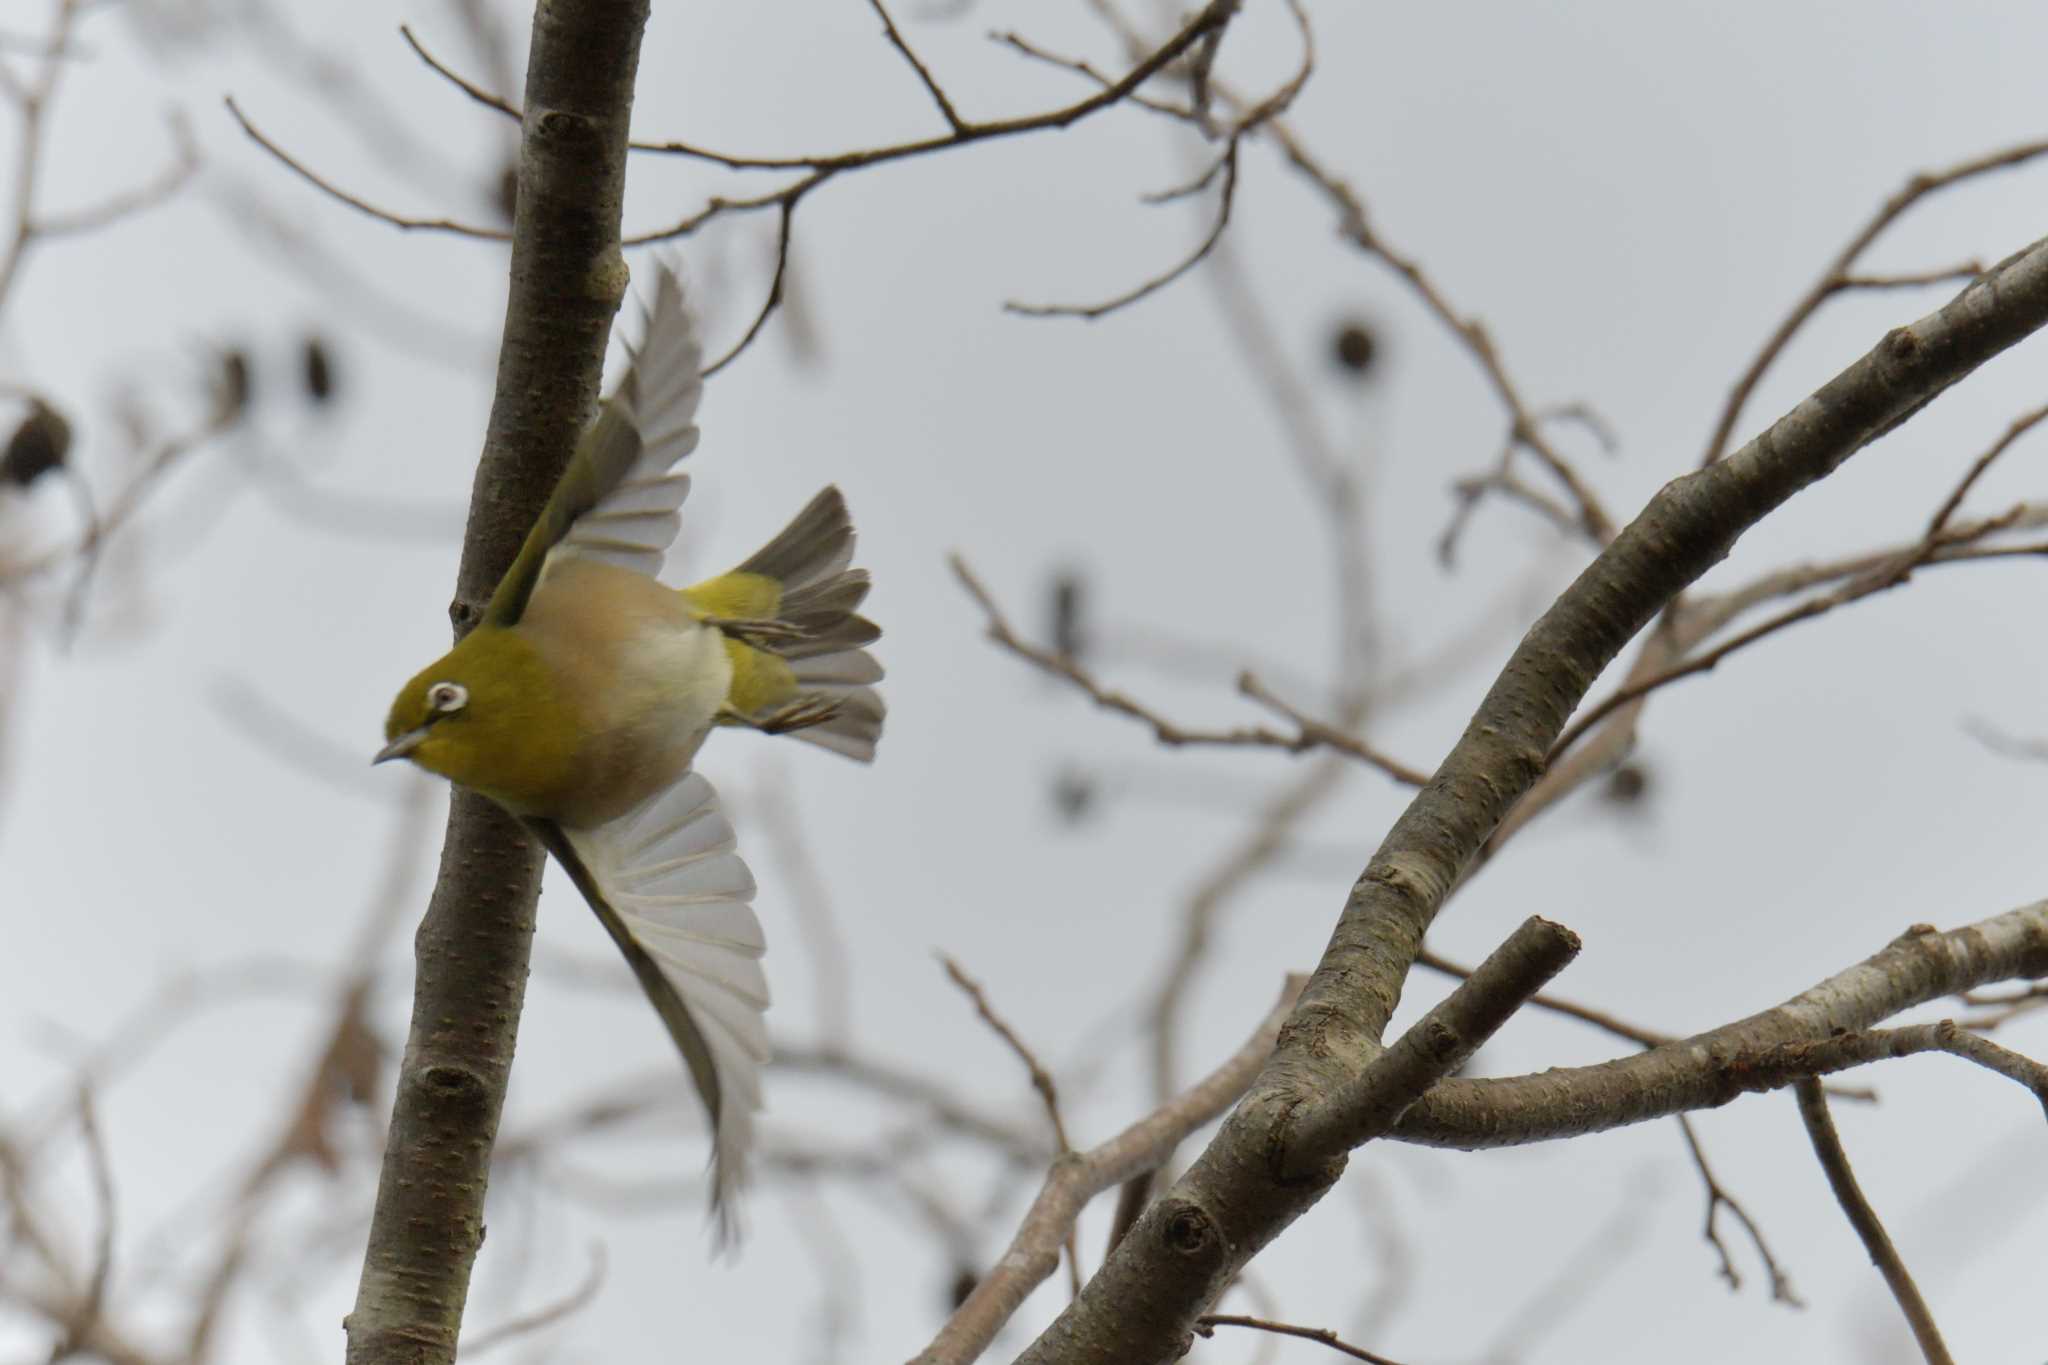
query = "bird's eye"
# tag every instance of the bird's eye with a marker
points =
(444, 697)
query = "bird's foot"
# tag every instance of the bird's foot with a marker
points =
(801, 713)
(760, 632)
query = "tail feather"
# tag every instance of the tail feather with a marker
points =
(826, 634)
(814, 548)
(825, 655)
(854, 728)
(843, 593)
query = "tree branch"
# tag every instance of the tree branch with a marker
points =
(1230, 1203)
(1034, 1252)
(1820, 1030)
(567, 278)
(1827, 1145)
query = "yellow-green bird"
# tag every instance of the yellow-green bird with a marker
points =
(579, 701)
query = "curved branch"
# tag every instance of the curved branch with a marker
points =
(1230, 1203)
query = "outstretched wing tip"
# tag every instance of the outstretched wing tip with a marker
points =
(667, 883)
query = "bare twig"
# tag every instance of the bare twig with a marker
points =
(1940, 543)
(1223, 169)
(1525, 424)
(1836, 277)
(33, 101)
(1210, 17)
(785, 221)
(154, 191)
(1033, 1252)
(1025, 47)
(821, 168)
(1166, 731)
(1226, 168)
(1718, 1198)
(356, 202)
(1470, 491)
(1041, 1079)
(1207, 1324)
(1312, 735)
(924, 75)
(571, 1303)
(1853, 591)
(1954, 274)
(1834, 1160)
(1317, 732)
(82, 1323)
(2020, 426)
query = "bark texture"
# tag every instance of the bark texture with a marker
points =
(567, 278)
(1143, 1303)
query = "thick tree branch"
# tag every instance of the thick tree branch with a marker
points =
(1440, 1042)
(567, 278)
(1229, 1204)
(1817, 1031)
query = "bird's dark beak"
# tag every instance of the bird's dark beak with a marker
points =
(400, 747)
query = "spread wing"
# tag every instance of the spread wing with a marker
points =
(617, 501)
(667, 885)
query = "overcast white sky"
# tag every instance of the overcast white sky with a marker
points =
(1629, 195)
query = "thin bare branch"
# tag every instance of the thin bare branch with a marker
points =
(1866, 576)
(924, 75)
(1227, 165)
(1211, 16)
(1033, 1253)
(785, 222)
(1837, 278)
(1954, 274)
(1312, 735)
(1025, 47)
(82, 1323)
(1718, 1198)
(1207, 1324)
(1834, 1161)
(1317, 732)
(154, 191)
(1041, 1079)
(1223, 169)
(1525, 423)
(526, 1324)
(356, 202)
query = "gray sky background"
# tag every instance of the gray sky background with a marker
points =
(1630, 196)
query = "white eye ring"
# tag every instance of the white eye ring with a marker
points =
(444, 697)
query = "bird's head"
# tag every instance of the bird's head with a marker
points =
(489, 715)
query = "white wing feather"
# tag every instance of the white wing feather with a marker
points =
(633, 525)
(669, 869)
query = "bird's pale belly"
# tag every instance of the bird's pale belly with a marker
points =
(645, 675)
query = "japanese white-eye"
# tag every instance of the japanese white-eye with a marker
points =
(579, 701)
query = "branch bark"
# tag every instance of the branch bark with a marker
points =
(567, 277)
(1766, 1051)
(1232, 1202)
(1834, 1161)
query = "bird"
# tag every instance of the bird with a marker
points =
(580, 700)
